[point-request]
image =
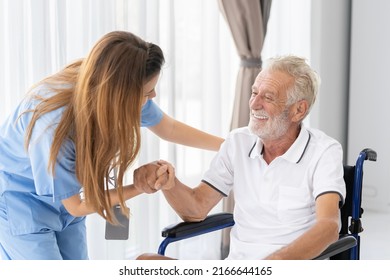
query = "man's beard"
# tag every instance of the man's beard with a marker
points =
(274, 128)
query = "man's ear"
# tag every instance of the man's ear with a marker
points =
(300, 110)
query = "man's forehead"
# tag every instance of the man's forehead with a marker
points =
(273, 78)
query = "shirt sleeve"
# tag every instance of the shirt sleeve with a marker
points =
(64, 183)
(328, 176)
(151, 114)
(220, 174)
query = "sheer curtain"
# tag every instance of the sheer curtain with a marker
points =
(289, 28)
(39, 37)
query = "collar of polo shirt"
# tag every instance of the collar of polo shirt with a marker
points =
(293, 154)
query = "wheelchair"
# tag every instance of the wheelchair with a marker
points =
(347, 247)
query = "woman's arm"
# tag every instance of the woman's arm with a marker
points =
(174, 131)
(146, 178)
(78, 208)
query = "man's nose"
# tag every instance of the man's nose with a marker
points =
(256, 102)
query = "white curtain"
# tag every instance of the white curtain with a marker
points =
(289, 29)
(39, 37)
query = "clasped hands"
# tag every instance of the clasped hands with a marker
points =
(154, 176)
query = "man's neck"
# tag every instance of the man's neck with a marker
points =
(277, 147)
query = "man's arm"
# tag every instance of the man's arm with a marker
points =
(192, 205)
(323, 233)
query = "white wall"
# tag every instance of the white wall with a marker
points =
(330, 30)
(350, 44)
(370, 97)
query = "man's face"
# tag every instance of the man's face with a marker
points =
(269, 115)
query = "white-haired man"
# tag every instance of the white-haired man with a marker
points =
(287, 179)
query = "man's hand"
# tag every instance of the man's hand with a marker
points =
(169, 183)
(154, 176)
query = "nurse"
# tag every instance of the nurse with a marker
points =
(61, 144)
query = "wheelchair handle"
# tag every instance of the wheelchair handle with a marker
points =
(369, 154)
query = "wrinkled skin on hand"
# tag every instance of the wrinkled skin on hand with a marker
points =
(154, 176)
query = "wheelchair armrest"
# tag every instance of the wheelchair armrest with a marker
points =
(344, 243)
(185, 230)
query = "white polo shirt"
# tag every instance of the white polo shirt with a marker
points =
(274, 204)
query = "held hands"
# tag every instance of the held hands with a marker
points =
(154, 176)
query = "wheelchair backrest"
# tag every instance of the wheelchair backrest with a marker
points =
(346, 209)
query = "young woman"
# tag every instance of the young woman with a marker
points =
(61, 144)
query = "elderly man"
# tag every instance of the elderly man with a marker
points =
(287, 178)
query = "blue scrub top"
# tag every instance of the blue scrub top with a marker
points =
(31, 195)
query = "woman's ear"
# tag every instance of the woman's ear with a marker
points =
(300, 110)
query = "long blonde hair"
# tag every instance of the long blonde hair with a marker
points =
(102, 103)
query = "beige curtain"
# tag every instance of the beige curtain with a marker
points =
(247, 20)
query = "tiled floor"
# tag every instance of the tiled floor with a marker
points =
(375, 244)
